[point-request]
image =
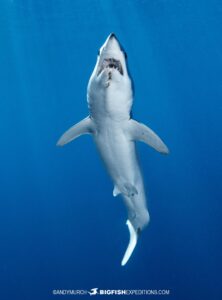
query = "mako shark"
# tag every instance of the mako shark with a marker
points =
(110, 97)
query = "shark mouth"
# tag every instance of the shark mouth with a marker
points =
(111, 63)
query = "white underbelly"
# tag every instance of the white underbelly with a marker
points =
(119, 156)
(118, 153)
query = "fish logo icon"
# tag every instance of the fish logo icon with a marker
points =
(93, 292)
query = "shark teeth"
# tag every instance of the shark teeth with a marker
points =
(111, 63)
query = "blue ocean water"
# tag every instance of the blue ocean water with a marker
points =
(60, 227)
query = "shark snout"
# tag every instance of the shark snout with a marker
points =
(112, 43)
(111, 56)
(112, 35)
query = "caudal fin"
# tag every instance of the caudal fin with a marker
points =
(132, 243)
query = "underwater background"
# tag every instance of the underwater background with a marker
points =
(60, 227)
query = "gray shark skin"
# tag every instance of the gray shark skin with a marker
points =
(110, 97)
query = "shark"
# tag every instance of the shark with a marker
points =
(115, 133)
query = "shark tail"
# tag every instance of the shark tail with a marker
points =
(132, 243)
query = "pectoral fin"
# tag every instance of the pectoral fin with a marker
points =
(140, 132)
(85, 126)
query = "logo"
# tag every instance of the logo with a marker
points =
(93, 292)
(101, 292)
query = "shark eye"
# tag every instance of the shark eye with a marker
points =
(125, 55)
